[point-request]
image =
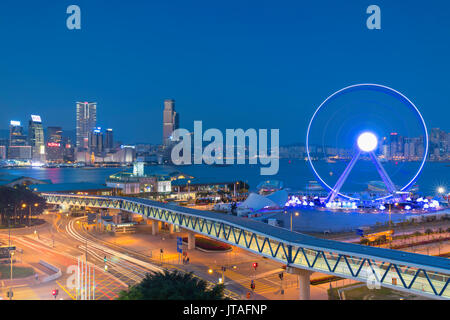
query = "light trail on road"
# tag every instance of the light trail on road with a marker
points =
(119, 265)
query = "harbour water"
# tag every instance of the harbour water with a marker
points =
(294, 173)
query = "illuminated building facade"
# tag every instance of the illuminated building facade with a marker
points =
(54, 144)
(86, 122)
(18, 148)
(36, 139)
(170, 121)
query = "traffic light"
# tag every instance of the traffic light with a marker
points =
(105, 259)
(224, 269)
(255, 265)
(280, 275)
(55, 293)
(252, 285)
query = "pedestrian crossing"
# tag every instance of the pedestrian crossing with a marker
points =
(261, 286)
(270, 283)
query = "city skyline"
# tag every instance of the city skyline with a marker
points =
(239, 151)
(192, 63)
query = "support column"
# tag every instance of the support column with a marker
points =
(191, 240)
(304, 282)
(171, 228)
(155, 227)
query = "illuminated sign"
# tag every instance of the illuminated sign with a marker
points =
(53, 145)
(36, 118)
(15, 123)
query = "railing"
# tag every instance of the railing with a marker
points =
(419, 274)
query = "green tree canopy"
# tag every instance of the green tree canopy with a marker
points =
(17, 204)
(172, 285)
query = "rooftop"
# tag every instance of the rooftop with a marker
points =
(160, 172)
(66, 187)
(200, 181)
(6, 178)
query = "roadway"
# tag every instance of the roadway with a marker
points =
(45, 243)
(130, 257)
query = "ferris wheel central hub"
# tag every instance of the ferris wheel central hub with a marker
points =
(367, 142)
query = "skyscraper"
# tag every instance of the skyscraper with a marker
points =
(18, 148)
(109, 140)
(54, 144)
(96, 141)
(170, 121)
(16, 136)
(36, 139)
(86, 122)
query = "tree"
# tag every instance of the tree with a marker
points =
(172, 285)
(428, 232)
(17, 203)
(364, 241)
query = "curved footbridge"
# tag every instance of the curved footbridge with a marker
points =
(302, 254)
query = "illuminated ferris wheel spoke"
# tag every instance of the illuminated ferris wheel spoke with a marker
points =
(335, 191)
(384, 176)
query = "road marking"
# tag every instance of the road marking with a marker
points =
(62, 287)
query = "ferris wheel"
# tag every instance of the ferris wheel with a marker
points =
(365, 143)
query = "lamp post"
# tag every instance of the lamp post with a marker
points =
(29, 217)
(296, 214)
(189, 189)
(235, 187)
(24, 205)
(11, 253)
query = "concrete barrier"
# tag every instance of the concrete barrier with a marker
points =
(52, 277)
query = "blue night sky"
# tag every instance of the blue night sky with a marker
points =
(232, 64)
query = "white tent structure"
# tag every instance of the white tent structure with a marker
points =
(256, 202)
(280, 198)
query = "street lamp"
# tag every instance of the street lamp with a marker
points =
(235, 185)
(189, 189)
(11, 254)
(296, 214)
(441, 190)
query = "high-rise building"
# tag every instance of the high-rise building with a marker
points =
(54, 144)
(109, 140)
(86, 122)
(4, 143)
(170, 121)
(2, 152)
(36, 139)
(96, 141)
(438, 144)
(18, 148)
(16, 135)
(69, 150)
